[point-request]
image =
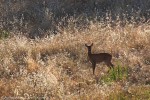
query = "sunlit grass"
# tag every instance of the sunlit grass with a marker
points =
(57, 66)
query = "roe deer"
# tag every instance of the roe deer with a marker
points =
(100, 57)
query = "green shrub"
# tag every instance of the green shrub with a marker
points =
(118, 73)
(4, 34)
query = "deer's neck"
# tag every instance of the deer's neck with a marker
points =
(89, 52)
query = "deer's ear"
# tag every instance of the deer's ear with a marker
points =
(86, 45)
(92, 44)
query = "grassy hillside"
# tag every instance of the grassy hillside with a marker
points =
(43, 53)
(57, 66)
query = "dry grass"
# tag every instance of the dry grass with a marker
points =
(57, 66)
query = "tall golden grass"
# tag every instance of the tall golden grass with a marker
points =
(57, 67)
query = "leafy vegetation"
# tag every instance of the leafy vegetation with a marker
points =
(4, 34)
(117, 74)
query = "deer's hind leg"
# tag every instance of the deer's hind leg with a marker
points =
(112, 66)
(108, 64)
